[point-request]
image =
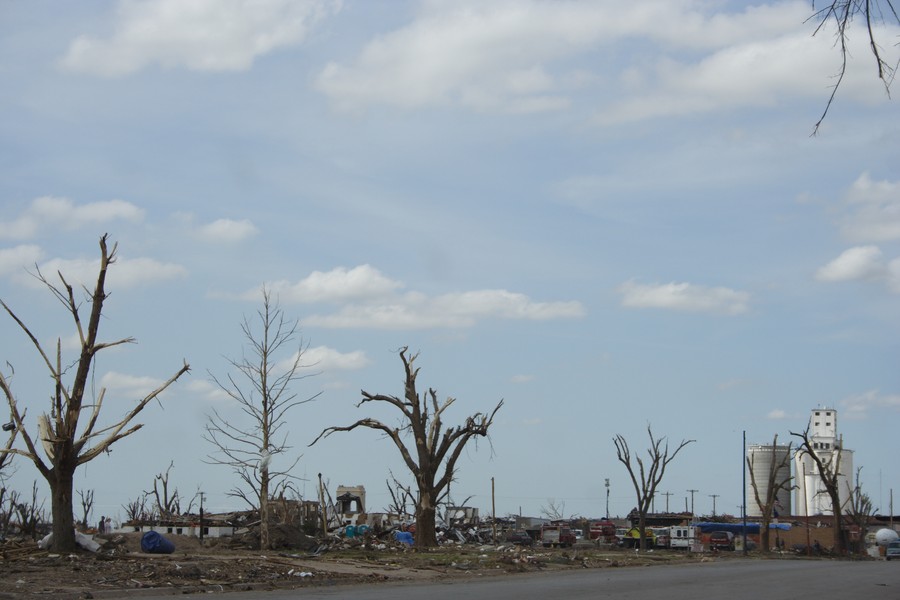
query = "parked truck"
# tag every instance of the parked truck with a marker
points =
(557, 536)
(603, 531)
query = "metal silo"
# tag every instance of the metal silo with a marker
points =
(762, 457)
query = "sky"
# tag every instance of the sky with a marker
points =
(612, 216)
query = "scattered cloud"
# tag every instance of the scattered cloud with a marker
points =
(206, 390)
(16, 260)
(859, 406)
(324, 359)
(876, 216)
(128, 387)
(685, 297)
(201, 35)
(862, 263)
(777, 414)
(228, 231)
(125, 273)
(516, 56)
(369, 299)
(859, 263)
(337, 285)
(51, 211)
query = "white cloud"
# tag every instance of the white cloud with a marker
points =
(417, 311)
(337, 285)
(370, 299)
(17, 259)
(877, 214)
(859, 406)
(777, 414)
(130, 387)
(228, 230)
(329, 359)
(684, 296)
(123, 273)
(48, 211)
(516, 56)
(202, 35)
(859, 263)
(207, 390)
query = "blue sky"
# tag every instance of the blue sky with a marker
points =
(609, 215)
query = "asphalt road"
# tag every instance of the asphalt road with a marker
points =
(729, 580)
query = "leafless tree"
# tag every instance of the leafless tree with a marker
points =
(65, 444)
(646, 476)
(87, 505)
(553, 510)
(136, 510)
(773, 485)
(167, 503)
(403, 501)
(840, 15)
(828, 466)
(261, 387)
(432, 460)
(31, 514)
(860, 509)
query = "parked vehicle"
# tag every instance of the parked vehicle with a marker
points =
(519, 538)
(662, 537)
(892, 550)
(605, 531)
(557, 535)
(632, 538)
(681, 537)
(721, 540)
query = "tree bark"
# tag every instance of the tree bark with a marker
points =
(264, 509)
(426, 533)
(61, 486)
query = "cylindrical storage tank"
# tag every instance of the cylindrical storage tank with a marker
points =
(763, 458)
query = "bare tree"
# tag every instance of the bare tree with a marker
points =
(553, 510)
(828, 466)
(434, 447)
(860, 510)
(31, 514)
(136, 510)
(773, 484)
(648, 475)
(403, 501)
(87, 505)
(167, 503)
(65, 444)
(261, 388)
(840, 15)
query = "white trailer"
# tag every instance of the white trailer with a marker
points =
(681, 536)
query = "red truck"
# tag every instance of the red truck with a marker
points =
(605, 531)
(557, 535)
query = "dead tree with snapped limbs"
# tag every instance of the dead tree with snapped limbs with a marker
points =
(828, 467)
(773, 484)
(646, 476)
(66, 440)
(432, 459)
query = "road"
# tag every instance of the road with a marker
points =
(732, 579)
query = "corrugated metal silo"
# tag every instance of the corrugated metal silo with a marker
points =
(763, 457)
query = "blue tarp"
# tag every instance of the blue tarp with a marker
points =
(708, 527)
(153, 543)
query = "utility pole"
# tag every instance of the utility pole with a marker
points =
(714, 496)
(201, 516)
(667, 494)
(692, 492)
(493, 513)
(607, 498)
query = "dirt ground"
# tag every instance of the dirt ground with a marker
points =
(222, 566)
